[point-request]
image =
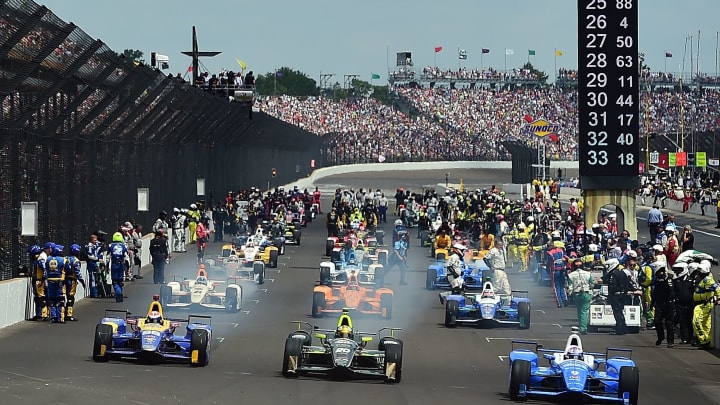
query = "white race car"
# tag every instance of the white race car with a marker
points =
(202, 293)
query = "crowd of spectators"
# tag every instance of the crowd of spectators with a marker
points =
(433, 72)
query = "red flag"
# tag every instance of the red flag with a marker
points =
(554, 138)
(438, 49)
(190, 68)
(528, 118)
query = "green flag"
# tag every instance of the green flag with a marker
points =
(375, 76)
(531, 52)
(701, 159)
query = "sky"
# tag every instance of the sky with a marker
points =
(348, 38)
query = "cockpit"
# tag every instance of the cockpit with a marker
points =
(353, 284)
(344, 326)
(573, 348)
(488, 291)
(201, 280)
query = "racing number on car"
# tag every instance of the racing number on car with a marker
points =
(342, 350)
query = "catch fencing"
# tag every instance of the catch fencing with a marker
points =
(82, 129)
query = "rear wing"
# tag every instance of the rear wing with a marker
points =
(198, 319)
(114, 313)
(537, 347)
(617, 350)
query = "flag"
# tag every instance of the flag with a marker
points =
(531, 52)
(241, 63)
(462, 54)
(278, 73)
(668, 55)
(485, 50)
(438, 49)
(554, 138)
(190, 69)
(558, 52)
(509, 52)
(375, 76)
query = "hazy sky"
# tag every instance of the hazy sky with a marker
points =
(343, 37)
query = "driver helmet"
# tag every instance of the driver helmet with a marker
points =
(460, 247)
(201, 280)
(117, 237)
(574, 352)
(154, 317)
(344, 331)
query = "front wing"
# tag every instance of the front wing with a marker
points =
(548, 382)
(316, 360)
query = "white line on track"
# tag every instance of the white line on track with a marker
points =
(24, 376)
(220, 339)
(502, 358)
(263, 290)
(489, 339)
(694, 230)
(138, 402)
(246, 312)
(255, 301)
(539, 310)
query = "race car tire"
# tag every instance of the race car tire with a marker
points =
(165, 295)
(383, 259)
(386, 306)
(430, 279)
(293, 349)
(382, 346)
(329, 246)
(274, 258)
(393, 358)
(423, 238)
(102, 343)
(318, 304)
(325, 276)
(259, 274)
(380, 236)
(524, 315)
(452, 308)
(199, 341)
(231, 300)
(519, 375)
(296, 236)
(629, 381)
(302, 336)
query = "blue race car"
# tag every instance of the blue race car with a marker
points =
(487, 308)
(152, 337)
(573, 374)
(472, 275)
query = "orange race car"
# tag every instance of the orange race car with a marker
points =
(362, 299)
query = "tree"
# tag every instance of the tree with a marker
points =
(286, 81)
(542, 76)
(133, 54)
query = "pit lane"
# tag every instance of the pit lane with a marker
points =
(43, 362)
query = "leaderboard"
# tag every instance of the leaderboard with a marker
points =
(608, 94)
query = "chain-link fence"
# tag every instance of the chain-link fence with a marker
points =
(81, 129)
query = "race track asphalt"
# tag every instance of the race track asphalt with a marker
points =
(44, 363)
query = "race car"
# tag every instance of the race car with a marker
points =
(246, 270)
(258, 248)
(293, 233)
(337, 273)
(436, 276)
(488, 308)
(363, 300)
(573, 374)
(119, 335)
(202, 293)
(601, 313)
(343, 353)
